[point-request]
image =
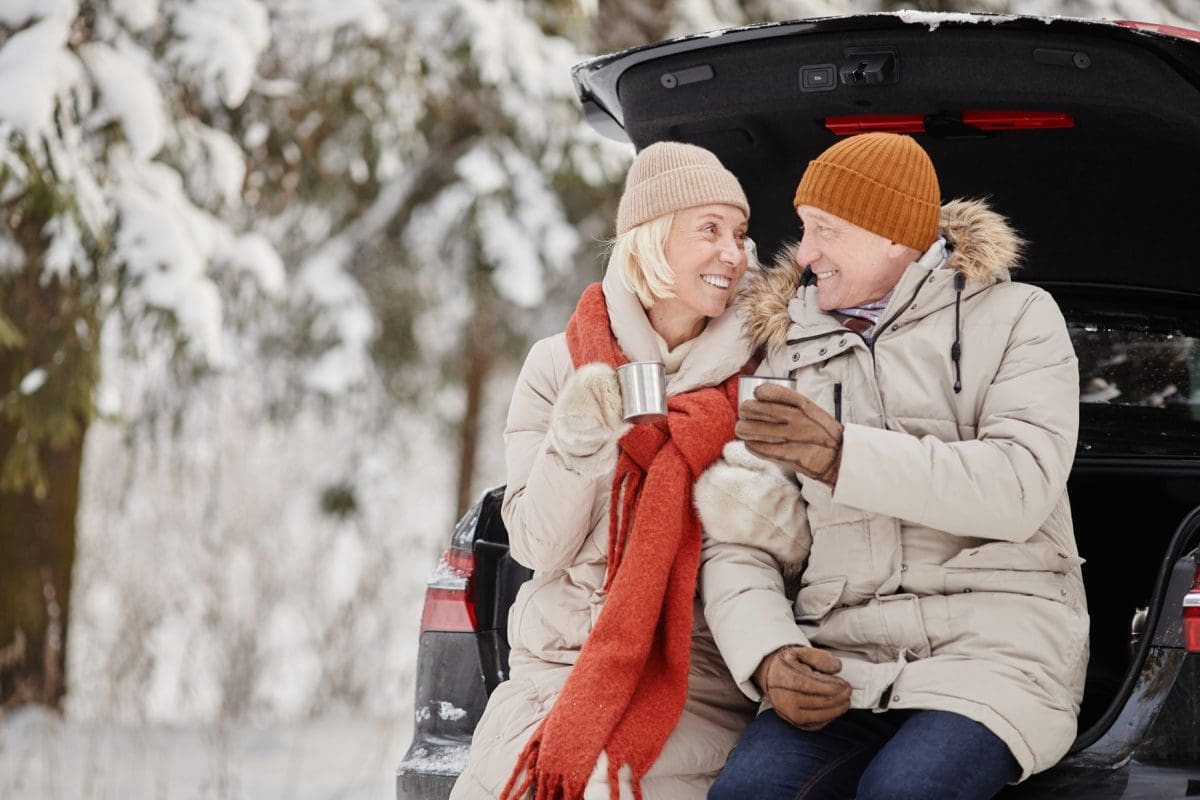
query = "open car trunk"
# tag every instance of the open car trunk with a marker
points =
(1104, 192)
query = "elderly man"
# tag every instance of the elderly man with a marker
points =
(889, 560)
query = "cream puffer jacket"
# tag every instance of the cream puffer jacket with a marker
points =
(557, 519)
(942, 568)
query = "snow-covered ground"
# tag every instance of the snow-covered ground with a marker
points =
(44, 758)
(210, 585)
(230, 639)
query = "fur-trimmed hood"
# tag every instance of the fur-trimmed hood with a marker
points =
(981, 243)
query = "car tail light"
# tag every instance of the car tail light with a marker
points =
(450, 594)
(1017, 120)
(1170, 30)
(862, 123)
(981, 120)
(1191, 615)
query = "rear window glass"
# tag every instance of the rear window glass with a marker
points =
(1139, 386)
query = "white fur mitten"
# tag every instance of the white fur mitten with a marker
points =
(586, 423)
(743, 499)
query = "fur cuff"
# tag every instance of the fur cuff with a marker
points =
(593, 467)
(743, 499)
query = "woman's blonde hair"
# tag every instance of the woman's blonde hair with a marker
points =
(640, 256)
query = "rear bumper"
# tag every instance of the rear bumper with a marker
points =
(430, 768)
(450, 698)
(1135, 781)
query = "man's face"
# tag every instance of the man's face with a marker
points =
(852, 265)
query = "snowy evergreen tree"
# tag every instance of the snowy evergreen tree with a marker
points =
(112, 192)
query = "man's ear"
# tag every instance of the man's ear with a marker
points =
(897, 251)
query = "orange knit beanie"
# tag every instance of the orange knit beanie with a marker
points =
(883, 182)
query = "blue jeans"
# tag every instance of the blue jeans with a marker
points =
(898, 755)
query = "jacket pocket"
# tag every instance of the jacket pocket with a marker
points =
(551, 617)
(1039, 569)
(815, 600)
(1023, 556)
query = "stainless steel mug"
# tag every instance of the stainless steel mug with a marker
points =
(747, 384)
(643, 391)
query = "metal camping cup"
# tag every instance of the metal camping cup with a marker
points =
(747, 384)
(643, 391)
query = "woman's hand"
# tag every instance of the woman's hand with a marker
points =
(586, 423)
(746, 500)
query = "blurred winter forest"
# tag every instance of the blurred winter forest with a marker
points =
(267, 272)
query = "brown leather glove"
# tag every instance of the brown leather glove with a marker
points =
(787, 428)
(803, 686)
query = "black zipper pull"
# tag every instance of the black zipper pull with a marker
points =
(960, 283)
(837, 402)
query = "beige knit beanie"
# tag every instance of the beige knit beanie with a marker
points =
(670, 176)
(883, 182)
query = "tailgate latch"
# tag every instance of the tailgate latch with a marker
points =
(870, 66)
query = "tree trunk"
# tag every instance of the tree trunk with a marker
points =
(37, 554)
(477, 357)
(43, 426)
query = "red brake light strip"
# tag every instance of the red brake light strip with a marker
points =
(983, 120)
(862, 123)
(1017, 120)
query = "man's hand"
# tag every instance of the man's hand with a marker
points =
(803, 686)
(787, 428)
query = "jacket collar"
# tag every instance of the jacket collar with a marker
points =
(982, 246)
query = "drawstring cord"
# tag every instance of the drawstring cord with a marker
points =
(960, 283)
(807, 278)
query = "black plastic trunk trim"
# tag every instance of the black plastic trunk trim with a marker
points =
(1181, 542)
(1170, 467)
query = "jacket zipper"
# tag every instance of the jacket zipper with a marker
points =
(883, 325)
(816, 336)
(837, 387)
(870, 342)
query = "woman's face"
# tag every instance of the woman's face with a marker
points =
(706, 249)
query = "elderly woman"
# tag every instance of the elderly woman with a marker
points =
(616, 688)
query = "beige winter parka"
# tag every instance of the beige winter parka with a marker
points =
(942, 568)
(557, 523)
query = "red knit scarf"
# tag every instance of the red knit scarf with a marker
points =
(628, 687)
